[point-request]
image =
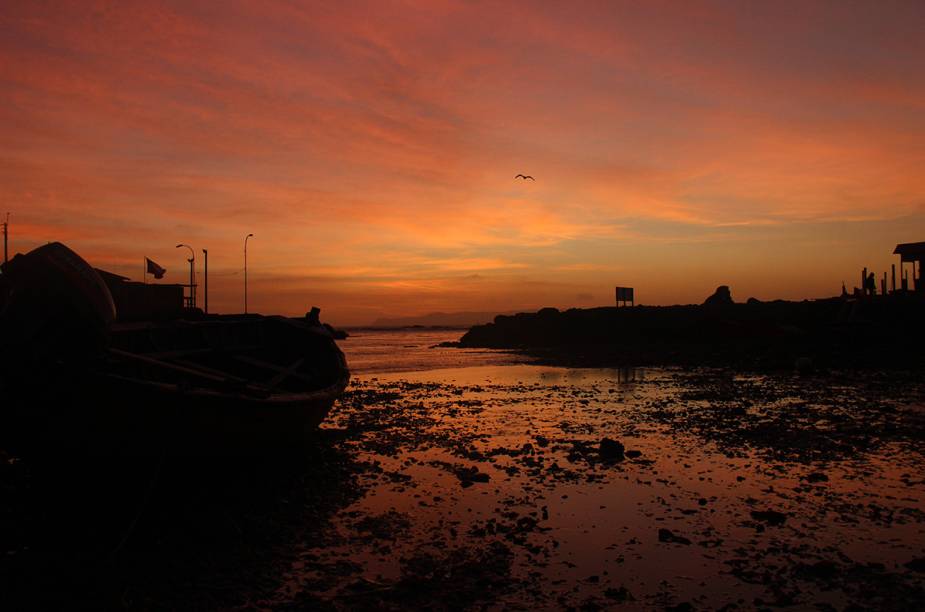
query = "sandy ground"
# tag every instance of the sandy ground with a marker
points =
(513, 487)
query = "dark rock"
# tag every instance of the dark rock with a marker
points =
(753, 301)
(469, 476)
(665, 535)
(821, 570)
(721, 297)
(771, 517)
(632, 454)
(542, 441)
(611, 450)
(621, 594)
(916, 565)
(817, 477)
(526, 523)
(681, 607)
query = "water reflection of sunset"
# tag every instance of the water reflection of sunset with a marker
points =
(799, 489)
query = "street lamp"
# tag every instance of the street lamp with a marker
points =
(6, 236)
(245, 271)
(205, 291)
(192, 287)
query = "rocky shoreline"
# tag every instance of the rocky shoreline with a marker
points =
(810, 335)
(508, 487)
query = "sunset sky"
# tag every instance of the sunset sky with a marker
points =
(371, 147)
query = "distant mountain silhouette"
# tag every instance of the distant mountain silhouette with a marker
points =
(439, 319)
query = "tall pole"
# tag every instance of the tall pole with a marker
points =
(245, 271)
(6, 231)
(205, 292)
(192, 287)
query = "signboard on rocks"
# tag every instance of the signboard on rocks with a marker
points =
(624, 295)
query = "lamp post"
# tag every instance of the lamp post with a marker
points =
(245, 271)
(6, 232)
(192, 287)
(205, 291)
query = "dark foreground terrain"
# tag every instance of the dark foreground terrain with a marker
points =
(508, 487)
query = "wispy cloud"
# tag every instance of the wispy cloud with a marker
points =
(371, 147)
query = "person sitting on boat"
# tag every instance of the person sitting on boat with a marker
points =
(313, 317)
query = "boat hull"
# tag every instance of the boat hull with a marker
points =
(118, 407)
(113, 417)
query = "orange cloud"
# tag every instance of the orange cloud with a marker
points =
(371, 148)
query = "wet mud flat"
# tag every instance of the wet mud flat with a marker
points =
(507, 487)
(525, 487)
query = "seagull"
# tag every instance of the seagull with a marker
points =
(525, 177)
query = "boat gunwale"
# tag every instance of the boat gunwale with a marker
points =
(260, 393)
(278, 398)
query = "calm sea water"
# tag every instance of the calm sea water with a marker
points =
(371, 351)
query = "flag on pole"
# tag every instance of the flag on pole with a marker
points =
(155, 269)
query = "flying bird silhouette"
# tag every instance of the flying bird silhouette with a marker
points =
(525, 177)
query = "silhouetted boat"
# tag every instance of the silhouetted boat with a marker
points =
(76, 379)
(228, 383)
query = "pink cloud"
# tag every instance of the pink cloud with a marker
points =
(380, 141)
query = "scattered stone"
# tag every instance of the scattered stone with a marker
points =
(632, 454)
(821, 570)
(383, 526)
(817, 477)
(620, 594)
(665, 535)
(611, 450)
(771, 517)
(470, 475)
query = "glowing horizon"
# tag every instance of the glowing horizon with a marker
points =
(372, 149)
